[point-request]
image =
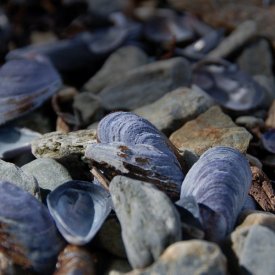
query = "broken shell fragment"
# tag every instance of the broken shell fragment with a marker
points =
(220, 181)
(79, 208)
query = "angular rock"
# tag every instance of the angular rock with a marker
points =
(210, 129)
(58, 145)
(249, 122)
(254, 247)
(176, 108)
(146, 84)
(116, 66)
(148, 219)
(188, 257)
(270, 121)
(48, 172)
(11, 173)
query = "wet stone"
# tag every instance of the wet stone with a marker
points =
(188, 257)
(175, 108)
(147, 214)
(48, 172)
(146, 84)
(11, 173)
(210, 129)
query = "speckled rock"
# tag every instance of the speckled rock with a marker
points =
(210, 129)
(147, 214)
(48, 172)
(11, 173)
(188, 257)
(116, 66)
(146, 84)
(175, 108)
(58, 145)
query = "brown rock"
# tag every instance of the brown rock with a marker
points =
(261, 190)
(210, 129)
(270, 121)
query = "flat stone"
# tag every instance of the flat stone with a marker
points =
(176, 108)
(13, 174)
(149, 220)
(48, 172)
(116, 66)
(58, 145)
(188, 257)
(210, 129)
(146, 84)
(270, 120)
(249, 122)
(254, 247)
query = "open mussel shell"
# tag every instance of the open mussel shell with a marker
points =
(228, 86)
(79, 209)
(140, 161)
(220, 181)
(268, 140)
(28, 234)
(24, 85)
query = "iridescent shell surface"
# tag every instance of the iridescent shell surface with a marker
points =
(220, 181)
(79, 208)
(28, 234)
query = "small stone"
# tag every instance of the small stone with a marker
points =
(188, 257)
(58, 145)
(249, 122)
(237, 38)
(13, 174)
(270, 121)
(116, 66)
(148, 219)
(117, 266)
(176, 108)
(210, 129)
(48, 172)
(146, 84)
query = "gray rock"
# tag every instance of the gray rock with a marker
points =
(210, 129)
(13, 174)
(175, 108)
(255, 247)
(257, 58)
(116, 266)
(254, 161)
(148, 219)
(249, 122)
(115, 67)
(188, 257)
(146, 84)
(48, 172)
(267, 82)
(237, 38)
(58, 145)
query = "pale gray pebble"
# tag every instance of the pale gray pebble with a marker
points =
(249, 122)
(48, 172)
(148, 219)
(188, 257)
(175, 108)
(11, 173)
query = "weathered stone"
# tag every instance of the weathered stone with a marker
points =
(254, 247)
(48, 172)
(148, 219)
(188, 257)
(210, 129)
(115, 68)
(256, 58)
(58, 145)
(237, 38)
(249, 122)
(175, 108)
(13, 174)
(270, 121)
(146, 84)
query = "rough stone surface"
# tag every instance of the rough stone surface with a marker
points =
(254, 247)
(148, 219)
(116, 66)
(146, 84)
(13, 174)
(188, 257)
(210, 129)
(48, 172)
(249, 121)
(58, 145)
(175, 108)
